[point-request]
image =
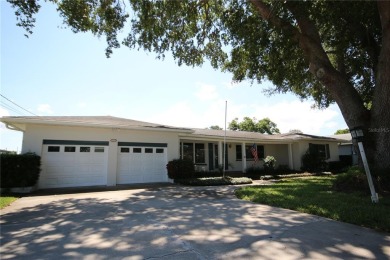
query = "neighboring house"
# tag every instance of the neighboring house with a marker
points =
(346, 148)
(105, 150)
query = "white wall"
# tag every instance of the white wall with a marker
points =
(35, 134)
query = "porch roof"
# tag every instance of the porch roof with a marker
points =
(253, 136)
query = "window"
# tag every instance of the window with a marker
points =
(85, 149)
(194, 152)
(70, 149)
(148, 150)
(188, 151)
(200, 153)
(125, 150)
(322, 150)
(54, 149)
(159, 150)
(238, 152)
(137, 150)
(99, 149)
(248, 153)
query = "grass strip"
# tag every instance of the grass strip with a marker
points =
(5, 201)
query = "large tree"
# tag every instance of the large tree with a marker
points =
(331, 51)
(264, 126)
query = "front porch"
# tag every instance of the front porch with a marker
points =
(208, 156)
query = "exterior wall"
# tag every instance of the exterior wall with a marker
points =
(300, 148)
(35, 134)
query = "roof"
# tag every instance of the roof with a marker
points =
(258, 136)
(18, 122)
(94, 121)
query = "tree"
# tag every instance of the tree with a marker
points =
(264, 126)
(331, 51)
(215, 127)
(295, 131)
(342, 131)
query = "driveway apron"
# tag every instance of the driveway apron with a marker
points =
(175, 222)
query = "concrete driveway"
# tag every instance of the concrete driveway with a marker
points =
(175, 222)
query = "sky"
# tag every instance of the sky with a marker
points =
(56, 72)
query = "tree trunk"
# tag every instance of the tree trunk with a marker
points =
(376, 123)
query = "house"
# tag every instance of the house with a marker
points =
(105, 150)
(346, 149)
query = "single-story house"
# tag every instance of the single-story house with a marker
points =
(105, 150)
(346, 148)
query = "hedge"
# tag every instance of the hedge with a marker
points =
(19, 170)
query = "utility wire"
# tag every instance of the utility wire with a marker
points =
(18, 105)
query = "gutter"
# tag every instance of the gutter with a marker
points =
(14, 128)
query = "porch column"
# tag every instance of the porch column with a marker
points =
(243, 155)
(220, 153)
(290, 157)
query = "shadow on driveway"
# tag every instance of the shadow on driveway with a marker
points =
(175, 222)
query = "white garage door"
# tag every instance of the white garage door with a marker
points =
(141, 162)
(73, 163)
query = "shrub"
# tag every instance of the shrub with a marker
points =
(269, 164)
(180, 169)
(19, 170)
(214, 181)
(352, 180)
(313, 162)
(254, 171)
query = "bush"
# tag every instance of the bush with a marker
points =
(19, 170)
(214, 181)
(180, 169)
(353, 180)
(269, 164)
(313, 162)
(254, 172)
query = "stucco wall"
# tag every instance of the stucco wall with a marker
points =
(35, 134)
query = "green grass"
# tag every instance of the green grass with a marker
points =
(314, 195)
(5, 201)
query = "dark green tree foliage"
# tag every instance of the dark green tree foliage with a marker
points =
(330, 51)
(342, 131)
(215, 127)
(19, 170)
(264, 126)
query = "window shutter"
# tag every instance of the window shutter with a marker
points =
(327, 151)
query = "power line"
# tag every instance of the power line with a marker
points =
(18, 105)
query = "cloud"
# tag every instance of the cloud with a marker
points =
(81, 105)
(45, 108)
(4, 112)
(206, 92)
(298, 115)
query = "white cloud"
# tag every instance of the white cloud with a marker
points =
(287, 114)
(81, 105)
(206, 92)
(298, 115)
(4, 112)
(45, 108)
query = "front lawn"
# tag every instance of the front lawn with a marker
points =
(5, 201)
(314, 195)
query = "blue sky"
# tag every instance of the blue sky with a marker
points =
(58, 73)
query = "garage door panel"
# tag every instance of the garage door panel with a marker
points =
(141, 165)
(75, 168)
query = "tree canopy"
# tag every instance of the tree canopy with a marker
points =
(342, 131)
(215, 127)
(264, 126)
(330, 51)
